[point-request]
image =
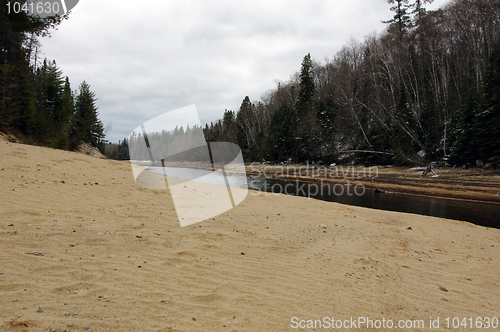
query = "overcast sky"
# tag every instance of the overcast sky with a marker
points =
(145, 58)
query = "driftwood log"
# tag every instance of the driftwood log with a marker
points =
(427, 170)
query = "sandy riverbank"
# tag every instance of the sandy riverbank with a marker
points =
(78, 236)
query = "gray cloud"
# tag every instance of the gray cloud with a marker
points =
(146, 58)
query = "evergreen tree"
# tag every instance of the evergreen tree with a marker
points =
(228, 124)
(402, 129)
(39, 103)
(419, 10)
(17, 89)
(242, 125)
(430, 128)
(87, 128)
(67, 109)
(17, 98)
(123, 151)
(429, 118)
(26, 106)
(401, 22)
(380, 143)
(326, 113)
(7, 84)
(50, 118)
(284, 126)
(463, 149)
(308, 127)
(305, 101)
(487, 124)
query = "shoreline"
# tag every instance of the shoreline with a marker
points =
(401, 192)
(471, 184)
(453, 184)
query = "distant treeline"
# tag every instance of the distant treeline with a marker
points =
(174, 145)
(36, 100)
(118, 151)
(428, 89)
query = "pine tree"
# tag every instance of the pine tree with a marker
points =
(464, 147)
(242, 129)
(487, 124)
(52, 118)
(17, 89)
(8, 94)
(123, 151)
(326, 112)
(87, 127)
(17, 97)
(402, 127)
(27, 103)
(308, 128)
(305, 101)
(284, 124)
(419, 10)
(67, 109)
(430, 127)
(401, 22)
(228, 124)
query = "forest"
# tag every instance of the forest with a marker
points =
(37, 104)
(425, 90)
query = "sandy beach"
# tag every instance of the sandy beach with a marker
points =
(83, 248)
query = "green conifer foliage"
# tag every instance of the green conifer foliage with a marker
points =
(26, 106)
(49, 88)
(67, 109)
(8, 93)
(242, 124)
(87, 127)
(419, 10)
(286, 118)
(401, 22)
(487, 124)
(123, 151)
(306, 93)
(402, 130)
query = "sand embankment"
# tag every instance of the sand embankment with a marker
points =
(78, 236)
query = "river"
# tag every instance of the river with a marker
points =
(479, 213)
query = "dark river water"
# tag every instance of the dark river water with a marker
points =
(479, 213)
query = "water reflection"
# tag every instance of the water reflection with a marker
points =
(479, 213)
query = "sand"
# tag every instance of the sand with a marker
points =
(82, 246)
